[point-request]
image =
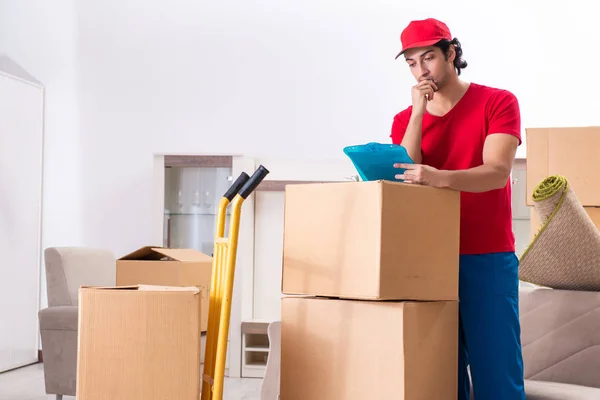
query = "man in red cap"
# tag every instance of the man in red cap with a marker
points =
(464, 136)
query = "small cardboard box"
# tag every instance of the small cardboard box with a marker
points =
(375, 240)
(536, 224)
(570, 152)
(334, 349)
(140, 342)
(168, 267)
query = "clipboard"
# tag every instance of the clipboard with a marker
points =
(375, 161)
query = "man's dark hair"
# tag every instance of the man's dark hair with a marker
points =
(444, 45)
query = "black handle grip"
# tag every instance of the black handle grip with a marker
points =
(236, 186)
(255, 180)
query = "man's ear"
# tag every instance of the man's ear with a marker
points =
(451, 54)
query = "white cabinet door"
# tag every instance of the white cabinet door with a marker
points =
(268, 254)
(522, 231)
(21, 130)
(519, 194)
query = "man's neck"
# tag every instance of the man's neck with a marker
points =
(449, 95)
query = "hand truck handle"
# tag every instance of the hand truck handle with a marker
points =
(236, 186)
(255, 180)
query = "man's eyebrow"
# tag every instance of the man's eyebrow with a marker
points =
(421, 55)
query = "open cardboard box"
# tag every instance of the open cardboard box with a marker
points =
(168, 267)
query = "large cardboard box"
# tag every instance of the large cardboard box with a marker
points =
(168, 267)
(536, 224)
(371, 240)
(139, 343)
(571, 152)
(333, 349)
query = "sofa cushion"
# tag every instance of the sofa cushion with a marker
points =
(560, 333)
(540, 390)
(59, 318)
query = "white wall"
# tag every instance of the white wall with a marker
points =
(306, 78)
(42, 40)
(125, 79)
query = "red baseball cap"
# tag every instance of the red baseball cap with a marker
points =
(423, 33)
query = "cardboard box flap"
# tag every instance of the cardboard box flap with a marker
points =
(153, 253)
(146, 288)
(184, 255)
(143, 253)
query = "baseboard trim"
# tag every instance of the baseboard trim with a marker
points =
(40, 356)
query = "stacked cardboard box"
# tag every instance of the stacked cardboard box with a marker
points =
(370, 284)
(139, 342)
(571, 152)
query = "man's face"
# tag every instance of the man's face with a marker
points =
(429, 63)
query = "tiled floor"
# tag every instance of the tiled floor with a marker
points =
(28, 384)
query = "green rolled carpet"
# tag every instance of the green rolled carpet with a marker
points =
(565, 252)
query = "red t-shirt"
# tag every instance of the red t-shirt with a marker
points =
(455, 142)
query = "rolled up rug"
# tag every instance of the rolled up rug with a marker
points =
(565, 252)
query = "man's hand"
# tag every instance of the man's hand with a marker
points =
(421, 93)
(420, 174)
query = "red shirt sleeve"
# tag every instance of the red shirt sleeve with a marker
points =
(399, 127)
(504, 115)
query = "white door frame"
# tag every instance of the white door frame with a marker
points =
(245, 247)
(37, 251)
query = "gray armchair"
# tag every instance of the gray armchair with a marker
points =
(67, 268)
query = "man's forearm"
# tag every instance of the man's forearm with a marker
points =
(412, 138)
(476, 180)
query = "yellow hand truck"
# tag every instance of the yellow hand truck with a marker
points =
(221, 289)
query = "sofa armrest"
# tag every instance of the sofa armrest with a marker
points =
(58, 329)
(63, 318)
(540, 390)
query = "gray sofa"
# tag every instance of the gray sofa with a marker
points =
(560, 333)
(67, 268)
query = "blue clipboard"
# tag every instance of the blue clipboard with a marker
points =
(375, 161)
